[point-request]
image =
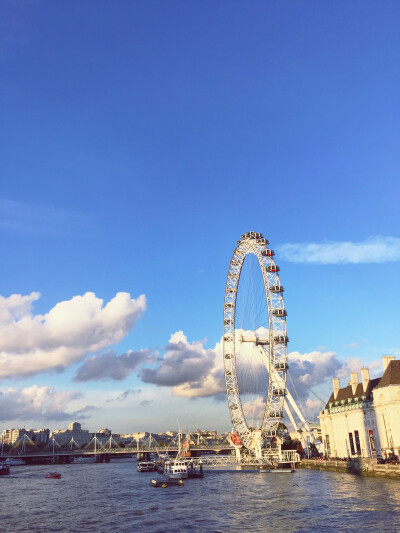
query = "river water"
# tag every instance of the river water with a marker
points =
(115, 498)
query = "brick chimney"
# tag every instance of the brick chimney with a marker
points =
(386, 360)
(336, 387)
(353, 381)
(365, 378)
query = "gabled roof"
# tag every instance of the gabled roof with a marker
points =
(347, 392)
(390, 377)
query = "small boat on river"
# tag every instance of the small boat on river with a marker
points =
(52, 475)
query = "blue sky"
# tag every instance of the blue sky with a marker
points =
(138, 142)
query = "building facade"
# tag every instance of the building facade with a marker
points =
(75, 432)
(363, 418)
(38, 436)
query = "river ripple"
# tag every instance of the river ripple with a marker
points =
(114, 497)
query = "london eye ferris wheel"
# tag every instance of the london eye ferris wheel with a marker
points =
(254, 340)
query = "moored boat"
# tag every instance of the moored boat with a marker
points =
(176, 469)
(14, 461)
(4, 469)
(146, 466)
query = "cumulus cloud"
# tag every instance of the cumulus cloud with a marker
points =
(31, 343)
(372, 250)
(187, 367)
(313, 368)
(194, 371)
(110, 365)
(39, 403)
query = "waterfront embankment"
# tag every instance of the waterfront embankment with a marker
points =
(360, 466)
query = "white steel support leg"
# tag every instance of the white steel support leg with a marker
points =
(292, 402)
(238, 454)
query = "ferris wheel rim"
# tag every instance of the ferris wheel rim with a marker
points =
(254, 243)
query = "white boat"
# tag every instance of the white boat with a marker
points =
(14, 461)
(176, 469)
(146, 466)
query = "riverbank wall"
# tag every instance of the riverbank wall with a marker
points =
(360, 466)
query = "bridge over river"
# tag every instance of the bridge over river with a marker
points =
(208, 456)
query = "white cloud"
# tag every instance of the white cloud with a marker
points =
(36, 403)
(30, 343)
(313, 368)
(194, 371)
(189, 368)
(372, 250)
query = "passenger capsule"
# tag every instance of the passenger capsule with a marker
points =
(281, 339)
(267, 252)
(279, 392)
(276, 289)
(272, 268)
(279, 312)
(281, 366)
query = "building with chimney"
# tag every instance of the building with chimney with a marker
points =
(363, 418)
